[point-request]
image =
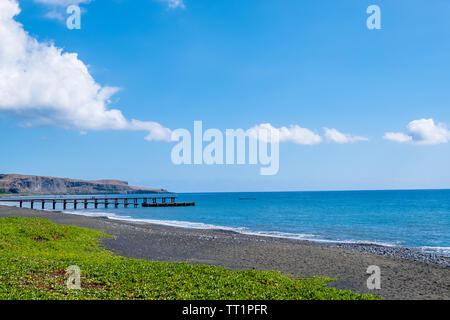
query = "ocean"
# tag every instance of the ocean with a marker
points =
(409, 218)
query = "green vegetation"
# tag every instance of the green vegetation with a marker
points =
(34, 254)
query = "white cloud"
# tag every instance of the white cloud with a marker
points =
(175, 3)
(333, 135)
(62, 3)
(294, 134)
(65, 3)
(41, 84)
(44, 85)
(421, 132)
(58, 7)
(397, 137)
(55, 15)
(156, 131)
(298, 135)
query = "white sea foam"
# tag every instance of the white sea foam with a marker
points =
(100, 214)
(241, 230)
(445, 251)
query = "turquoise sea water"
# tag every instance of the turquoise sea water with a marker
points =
(413, 218)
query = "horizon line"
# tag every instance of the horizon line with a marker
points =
(331, 190)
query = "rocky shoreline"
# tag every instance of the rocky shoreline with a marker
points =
(397, 252)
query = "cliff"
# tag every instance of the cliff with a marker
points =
(25, 184)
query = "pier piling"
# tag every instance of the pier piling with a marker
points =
(165, 201)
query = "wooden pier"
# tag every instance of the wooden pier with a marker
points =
(96, 202)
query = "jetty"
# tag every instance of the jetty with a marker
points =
(96, 202)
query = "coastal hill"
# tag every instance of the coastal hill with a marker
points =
(26, 184)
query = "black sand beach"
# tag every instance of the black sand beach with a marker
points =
(428, 277)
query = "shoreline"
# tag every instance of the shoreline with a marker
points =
(405, 273)
(406, 245)
(402, 252)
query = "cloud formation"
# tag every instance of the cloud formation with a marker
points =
(175, 3)
(333, 135)
(58, 7)
(54, 15)
(65, 3)
(302, 136)
(421, 132)
(44, 85)
(62, 3)
(294, 134)
(397, 137)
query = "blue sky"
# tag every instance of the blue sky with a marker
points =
(237, 64)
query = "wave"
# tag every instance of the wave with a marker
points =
(191, 225)
(438, 250)
(241, 230)
(442, 251)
